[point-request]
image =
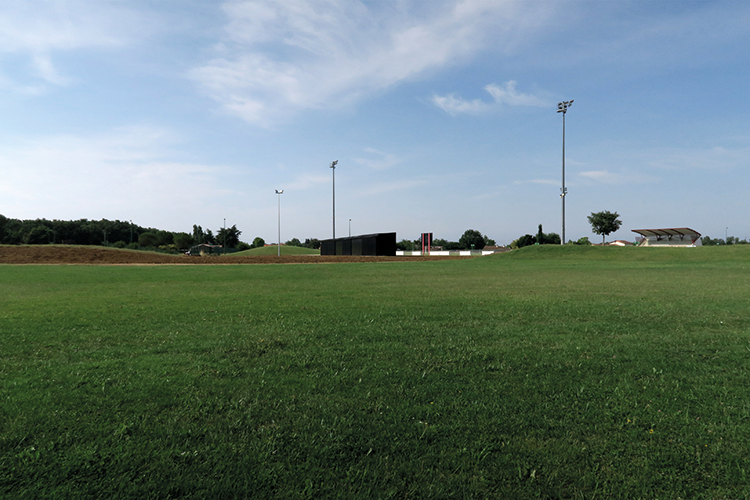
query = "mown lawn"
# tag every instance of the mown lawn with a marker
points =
(551, 372)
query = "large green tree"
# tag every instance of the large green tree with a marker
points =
(471, 240)
(183, 241)
(604, 223)
(228, 237)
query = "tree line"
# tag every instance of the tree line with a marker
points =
(470, 240)
(123, 234)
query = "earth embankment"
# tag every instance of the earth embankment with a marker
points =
(72, 254)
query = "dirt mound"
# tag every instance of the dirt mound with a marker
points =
(69, 254)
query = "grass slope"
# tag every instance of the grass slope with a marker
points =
(273, 250)
(544, 373)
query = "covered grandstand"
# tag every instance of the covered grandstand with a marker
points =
(669, 237)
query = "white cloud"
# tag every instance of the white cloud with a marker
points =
(282, 56)
(617, 178)
(38, 29)
(378, 160)
(716, 158)
(380, 188)
(507, 95)
(455, 105)
(306, 181)
(122, 172)
(547, 182)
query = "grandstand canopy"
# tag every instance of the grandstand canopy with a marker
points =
(675, 236)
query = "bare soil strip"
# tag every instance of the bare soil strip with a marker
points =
(60, 254)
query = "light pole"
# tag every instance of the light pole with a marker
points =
(350, 228)
(225, 236)
(279, 197)
(333, 166)
(726, 233)
(562, 107)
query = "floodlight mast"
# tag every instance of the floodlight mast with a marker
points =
(562, 107)
(279, 193)
(333, 166)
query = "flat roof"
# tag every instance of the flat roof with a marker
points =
(672, 231)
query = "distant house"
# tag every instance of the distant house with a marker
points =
(620, 243)
(669, 237)
(204, 249)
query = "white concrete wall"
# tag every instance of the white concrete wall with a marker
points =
(446, 253)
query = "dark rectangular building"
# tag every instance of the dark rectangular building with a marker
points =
(379, 244)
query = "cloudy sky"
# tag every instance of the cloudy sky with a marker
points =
(441, 114)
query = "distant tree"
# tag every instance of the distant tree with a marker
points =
(489, 242)
(208, 238)
(604, 223)
(228, 236)
(551, 239)
(582, 241)
(258, 242)
(406, 245)
(38, 235)
(707, 240)
(148, 239)
(164, 238)
(471, 239)
(183, 241)
(543, 238)
(198, 235)
(443, 243)
(294, 242)
(523, 241)
(243, 246)
(3, 223)
(313, 243)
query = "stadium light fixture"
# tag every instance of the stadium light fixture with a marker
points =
(333, 166)
(562, 107)
(279, 193)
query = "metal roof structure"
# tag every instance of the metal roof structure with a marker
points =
(683, 234)
(669, 232)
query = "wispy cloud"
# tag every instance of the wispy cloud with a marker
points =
(616, 178)
(282, 56)
(121, 172)
(38, 29)
(378, 160)
(547, 182)
(717, 158)
(397, 185)
(505, 95)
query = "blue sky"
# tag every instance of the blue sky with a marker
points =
(441, 114)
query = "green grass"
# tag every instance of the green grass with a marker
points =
(550, 372)
(273, 250)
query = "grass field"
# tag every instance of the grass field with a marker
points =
(274, 250)
(549, 372)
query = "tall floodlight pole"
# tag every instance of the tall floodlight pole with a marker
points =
(279, 244)
(333, 166)
(224, 250)
(563, 108)
(350, 228)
